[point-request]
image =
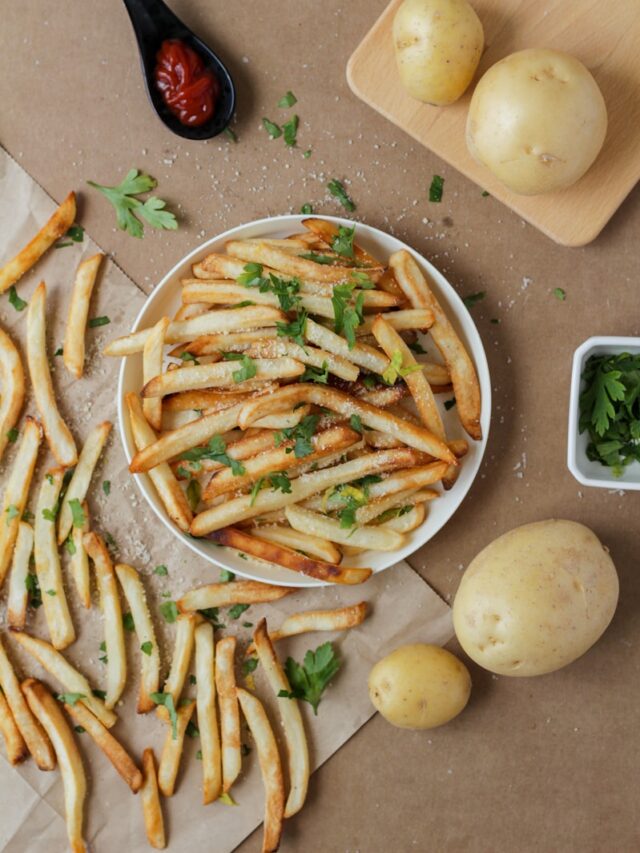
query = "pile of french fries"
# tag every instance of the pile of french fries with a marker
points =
(277, 422)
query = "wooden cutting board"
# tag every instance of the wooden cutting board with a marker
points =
(604, 35)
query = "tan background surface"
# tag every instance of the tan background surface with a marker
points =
(545, 764)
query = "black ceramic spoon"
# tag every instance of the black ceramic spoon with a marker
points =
(153, 22)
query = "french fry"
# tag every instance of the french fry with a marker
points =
(407, 319)
(392, 343)
(240, 508)
(312, 545)
(297, 747)
(150, 798)
(324, 444)
(289, 559)
(47, 560)
(228, 594)
(313, 356)
(181, 660)
(186, 312)
(49, 714)
(57, 432)
(18, 594)
(112, 748)
(229, 713)
(222, 266)
(373, 538)
(270, 766)
(16, 491)
(30, 729)
(17, 750)
(161, 475)
(111, 615)
(408, 521)
(152, 356)
(291, 265)
(283, 420)
(79, 560)
(361, 354)
(233, 342)
(211, 323)
(207, 713)
(12, 384)
(73, 348)
(308, 621)
(135, 594)
(463, 375)
(218, 375)
(58, 224)
(328, 231)
(73, 681)
(79, 483)
(172, 750)
(185, 401)
(285, 398)
(382, 398)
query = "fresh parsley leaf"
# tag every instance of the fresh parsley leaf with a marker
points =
(192, 730)
(560, 294)
(473, 298)
(316, 374)
(153, 210)
(435, 190)
(127, 622)
(295, 330)
(248, 369)
(14, 299)
(255, 490)
(230, 134)
(449, 404)
(325, 260)
(216, 451)
(70, 698)
(290, 130)
(75, 235)
(280, 481)
(12, 512)
(50, 514)
(274, 130)
(237, 610)
(111, 542)
(309, 681)
(348, 314)
(211, 614)
(249, 665)
(12, 435)
(417, 348)
(302, 434)
(226, 576)
(252, 276)
(147, 648)
(166, 699)
(106, 487)
(33, 590)
(337, 190)
(306, 209)
(70, 546)
(94, 322)
(355, 422)
(393, 512)
(123, 198)
(189, 356)
(162, 571)
(396, 368)
(342, 243)
(169, 611)
(77, 513)
(194, 493)
(287, 101)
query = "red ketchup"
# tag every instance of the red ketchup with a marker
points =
(188, 87)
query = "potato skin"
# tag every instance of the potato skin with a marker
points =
(419, 686)
(537, 120)
(536, 598)
(438, 45)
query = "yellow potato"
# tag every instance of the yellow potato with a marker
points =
(438, 45)
(536, 598)
(537, 120)
(419, 686)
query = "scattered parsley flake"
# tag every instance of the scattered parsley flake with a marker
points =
(162, 571)
(77, 513)
(14, 299)
(147, 648)
(127, 622)
(70, 698)
(169, 611)
(337, 190)
(560, 294)
(473, 298)
(287, 100)
(436, 188)
(290, 130)
(106, 487)
(449, 404)
(306, 209)
(274, 130)
(94, 322)
(12, 435)
(166, 699)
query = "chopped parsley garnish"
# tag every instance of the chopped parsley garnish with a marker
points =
(290, 130)
(396, 369)
(123, 198)
(342, 243)
(106, 487)
(473, 298)
(211, 615)
(274, 130)
(199, 755)
(355, 422)
(77, 513)
(252, 275)
(169, 611)
(14, 299)
(127, 622)
(302, 434)
(230, 134)
(306, 209)
(285, 289)
(325, 260)
(449, 404)
(194, 493)
(485, 193)
(307, 154)
(393, 512)
(294, 330)
(189, 356)
(192, 730)
(309, 681)
(166, 699)
(249, 665)
(103, 648)
(279, 481)
(75, 235)
(27, 515)
(51, 514)
(147, 648)
(352, 496)
(226, 576)
(435, 190)
(248, 369)
(193, 679)
(33, 590)
(12, 435)
(216, 451)
(59, 351)
(337, 190)
(237, 610)
(162, 571)
(287, 101)
(79, 729)
(316, 374)
(70, 546)
(560, 294)
(99, 694)
(348, 314)
(51, 592)
(417, 348)
(94, 322)
(12, 512)
(70, 698)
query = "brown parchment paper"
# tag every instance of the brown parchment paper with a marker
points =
(403, 607)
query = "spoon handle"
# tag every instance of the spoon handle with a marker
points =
(153, 21)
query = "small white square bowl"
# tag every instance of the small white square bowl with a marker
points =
(583, 469)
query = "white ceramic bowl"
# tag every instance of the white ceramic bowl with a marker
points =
(165, 300)
(586, 471)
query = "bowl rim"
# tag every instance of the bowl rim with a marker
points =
(575, 458)
(454, 301)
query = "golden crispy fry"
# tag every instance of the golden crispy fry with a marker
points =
(373, 538)
(73, 348)
(47, 560)
(17, 750)
(408, 521)
(59, 223)
(340, 619)
(18, 594)
(73, 681)
(222, 397)
(79, 560)
(207, 714)
(111, 747)
(270, 766)
(228, 594)
(57, 432)
(381, 398)
(161, 475)
(392, 343)
(404, 320)
(229, 713)
(217, 375)
(328, 231)
(318, 358)
(303, 487)
(211, 323)
(181, 660)
(135, 594)
(283, 420)
(324, 444)
(172, 750)
(151, 808)
(152, 357)
(186, 312)
(282, 556)
(238, 342)
(79, 484)
(49, 714)
(37, 741)
(16, 491)
(222, 266)
(361, 354)
(388, 283)
(312, 545)
(463, 375)
(111, 615)
(12, 385)
(297, 748)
